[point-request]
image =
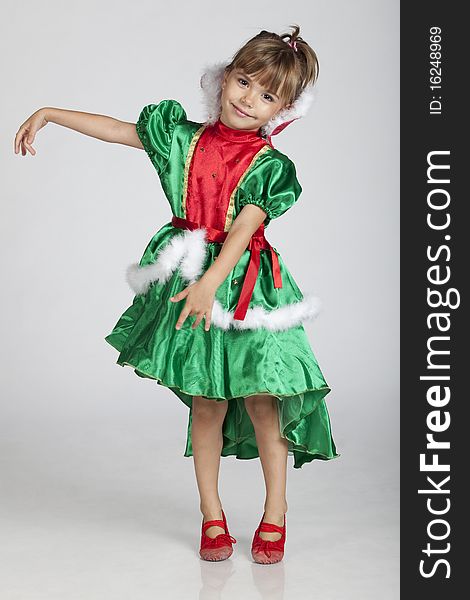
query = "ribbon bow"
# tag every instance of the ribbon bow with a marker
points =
(223, 539)
(257, 242)
(293, 44)
(264, 547)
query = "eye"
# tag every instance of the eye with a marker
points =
(271, 99)
(240, 80)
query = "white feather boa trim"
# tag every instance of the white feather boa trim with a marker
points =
(188, 252)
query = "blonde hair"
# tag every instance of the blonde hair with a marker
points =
(276, 65)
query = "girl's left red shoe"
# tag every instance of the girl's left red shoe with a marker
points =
(220, 547)
(268, 551)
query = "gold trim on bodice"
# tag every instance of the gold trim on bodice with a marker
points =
(187, 165)
(231, 206)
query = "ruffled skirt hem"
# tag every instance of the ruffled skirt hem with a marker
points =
(303, 419)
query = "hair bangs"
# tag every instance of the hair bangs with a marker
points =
(274, 72)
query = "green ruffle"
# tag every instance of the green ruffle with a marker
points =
(257, 202)
(303, 421)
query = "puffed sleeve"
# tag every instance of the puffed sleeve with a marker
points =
(273, 186)
(155, 127)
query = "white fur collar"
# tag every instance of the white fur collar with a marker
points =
(211, 82)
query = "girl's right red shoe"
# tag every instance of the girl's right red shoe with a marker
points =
(220, 547)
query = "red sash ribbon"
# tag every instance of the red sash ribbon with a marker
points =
(257, 242)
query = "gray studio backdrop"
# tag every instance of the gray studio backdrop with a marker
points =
(97, 500)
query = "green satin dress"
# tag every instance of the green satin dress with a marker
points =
(268, 352)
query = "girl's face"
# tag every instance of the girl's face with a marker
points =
(242, 93)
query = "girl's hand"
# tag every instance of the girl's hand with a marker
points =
(199, 300)
(27, 132)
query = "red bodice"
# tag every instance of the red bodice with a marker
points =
(221, 156)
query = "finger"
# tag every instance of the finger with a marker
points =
(182, 318)
(29, 147)
(23, 149)
(198, 320)
(29, 144)
(18, 137)
(179, 296)
(207, 321)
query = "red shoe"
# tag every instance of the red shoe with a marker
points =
(220, 547)
(268, 551)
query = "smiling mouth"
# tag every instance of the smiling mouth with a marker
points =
(239, 110)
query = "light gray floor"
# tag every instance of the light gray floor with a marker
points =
(107, 508)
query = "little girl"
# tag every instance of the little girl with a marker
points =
(217, 316)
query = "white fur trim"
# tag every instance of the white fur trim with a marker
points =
(298, 110)
(278, 319)
(211, 85)
(188, 248)
(188, 251)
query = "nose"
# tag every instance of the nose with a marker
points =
(247, 99)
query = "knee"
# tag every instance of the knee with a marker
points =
(260, 408)
(210, 410)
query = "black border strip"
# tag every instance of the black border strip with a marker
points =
(434, 271)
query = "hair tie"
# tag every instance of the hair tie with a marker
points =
(293, 44)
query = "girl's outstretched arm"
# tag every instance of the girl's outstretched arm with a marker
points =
(107, 129)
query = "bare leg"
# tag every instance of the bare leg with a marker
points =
(206, 435)
(262, 410)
